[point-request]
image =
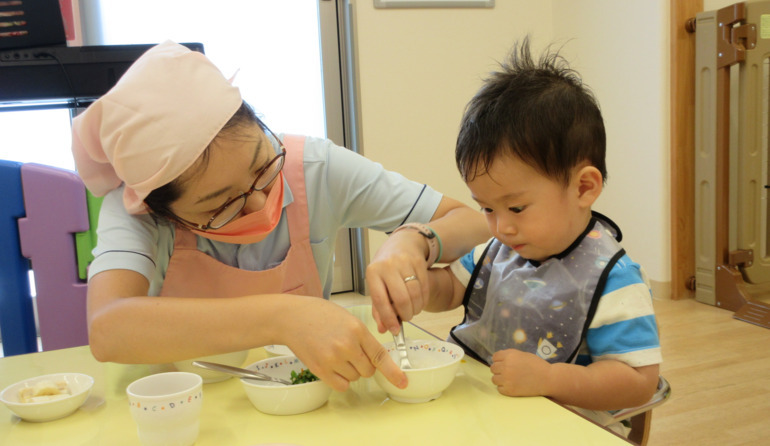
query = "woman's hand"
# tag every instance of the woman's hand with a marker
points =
(124, 326)
(337, 347)
(404, 255)
(397, 278)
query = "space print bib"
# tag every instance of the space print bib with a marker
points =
(543, 309)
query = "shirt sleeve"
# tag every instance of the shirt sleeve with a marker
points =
(362, 193)
(463, 267)
(125, 241)
(624, 326)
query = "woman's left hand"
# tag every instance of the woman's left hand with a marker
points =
(397, 279)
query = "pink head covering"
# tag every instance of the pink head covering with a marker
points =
(153, 124)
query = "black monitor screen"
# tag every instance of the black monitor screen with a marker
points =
(72, 77)
(30, 23)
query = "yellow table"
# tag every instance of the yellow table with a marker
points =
(470, 412)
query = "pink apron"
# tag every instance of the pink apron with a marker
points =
(192, 273)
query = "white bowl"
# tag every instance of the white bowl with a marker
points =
(279, 399)
(235, 359)
(79, 386)
(434, 365)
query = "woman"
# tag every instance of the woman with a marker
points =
(216, 235)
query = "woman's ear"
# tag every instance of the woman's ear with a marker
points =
(589, 182)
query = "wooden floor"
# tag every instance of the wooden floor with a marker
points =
(718, 368)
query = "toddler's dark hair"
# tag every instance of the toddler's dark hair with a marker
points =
(540, 112)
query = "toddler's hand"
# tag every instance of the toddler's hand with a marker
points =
(517, 373)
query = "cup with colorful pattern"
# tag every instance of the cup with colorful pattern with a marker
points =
(166, 408)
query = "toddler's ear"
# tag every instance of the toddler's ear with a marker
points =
(589, 184)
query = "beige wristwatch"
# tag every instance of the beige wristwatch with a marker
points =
(434, 242)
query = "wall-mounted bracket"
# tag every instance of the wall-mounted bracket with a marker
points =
(741, 257)
(733, 41)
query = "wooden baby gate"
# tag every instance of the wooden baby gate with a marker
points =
(732, 116)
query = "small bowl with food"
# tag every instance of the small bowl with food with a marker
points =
(47, 397)
(235, 359)
(434, 366)
(306, 392)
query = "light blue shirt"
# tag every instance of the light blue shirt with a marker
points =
(344, 190)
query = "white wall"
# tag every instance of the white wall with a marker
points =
(621, 50)
(417, 70)
(419, 67)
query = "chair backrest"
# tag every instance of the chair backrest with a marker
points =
(86, 241)
(55, 205)
(17, 318)
(47, 217)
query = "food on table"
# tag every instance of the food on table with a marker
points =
(45, 390)
(304, 376)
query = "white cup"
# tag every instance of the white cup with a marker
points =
(166, 408)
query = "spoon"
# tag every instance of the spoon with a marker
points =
(237, 371)
(400, 343)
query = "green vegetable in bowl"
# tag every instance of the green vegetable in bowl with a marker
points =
(304, 376)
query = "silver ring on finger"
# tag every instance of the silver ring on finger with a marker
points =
(410, 278)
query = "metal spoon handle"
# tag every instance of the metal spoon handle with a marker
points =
(245, 373)
(400, 342)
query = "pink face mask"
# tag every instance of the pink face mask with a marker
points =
(254, 226)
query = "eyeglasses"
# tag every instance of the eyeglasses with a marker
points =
(234, 206)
